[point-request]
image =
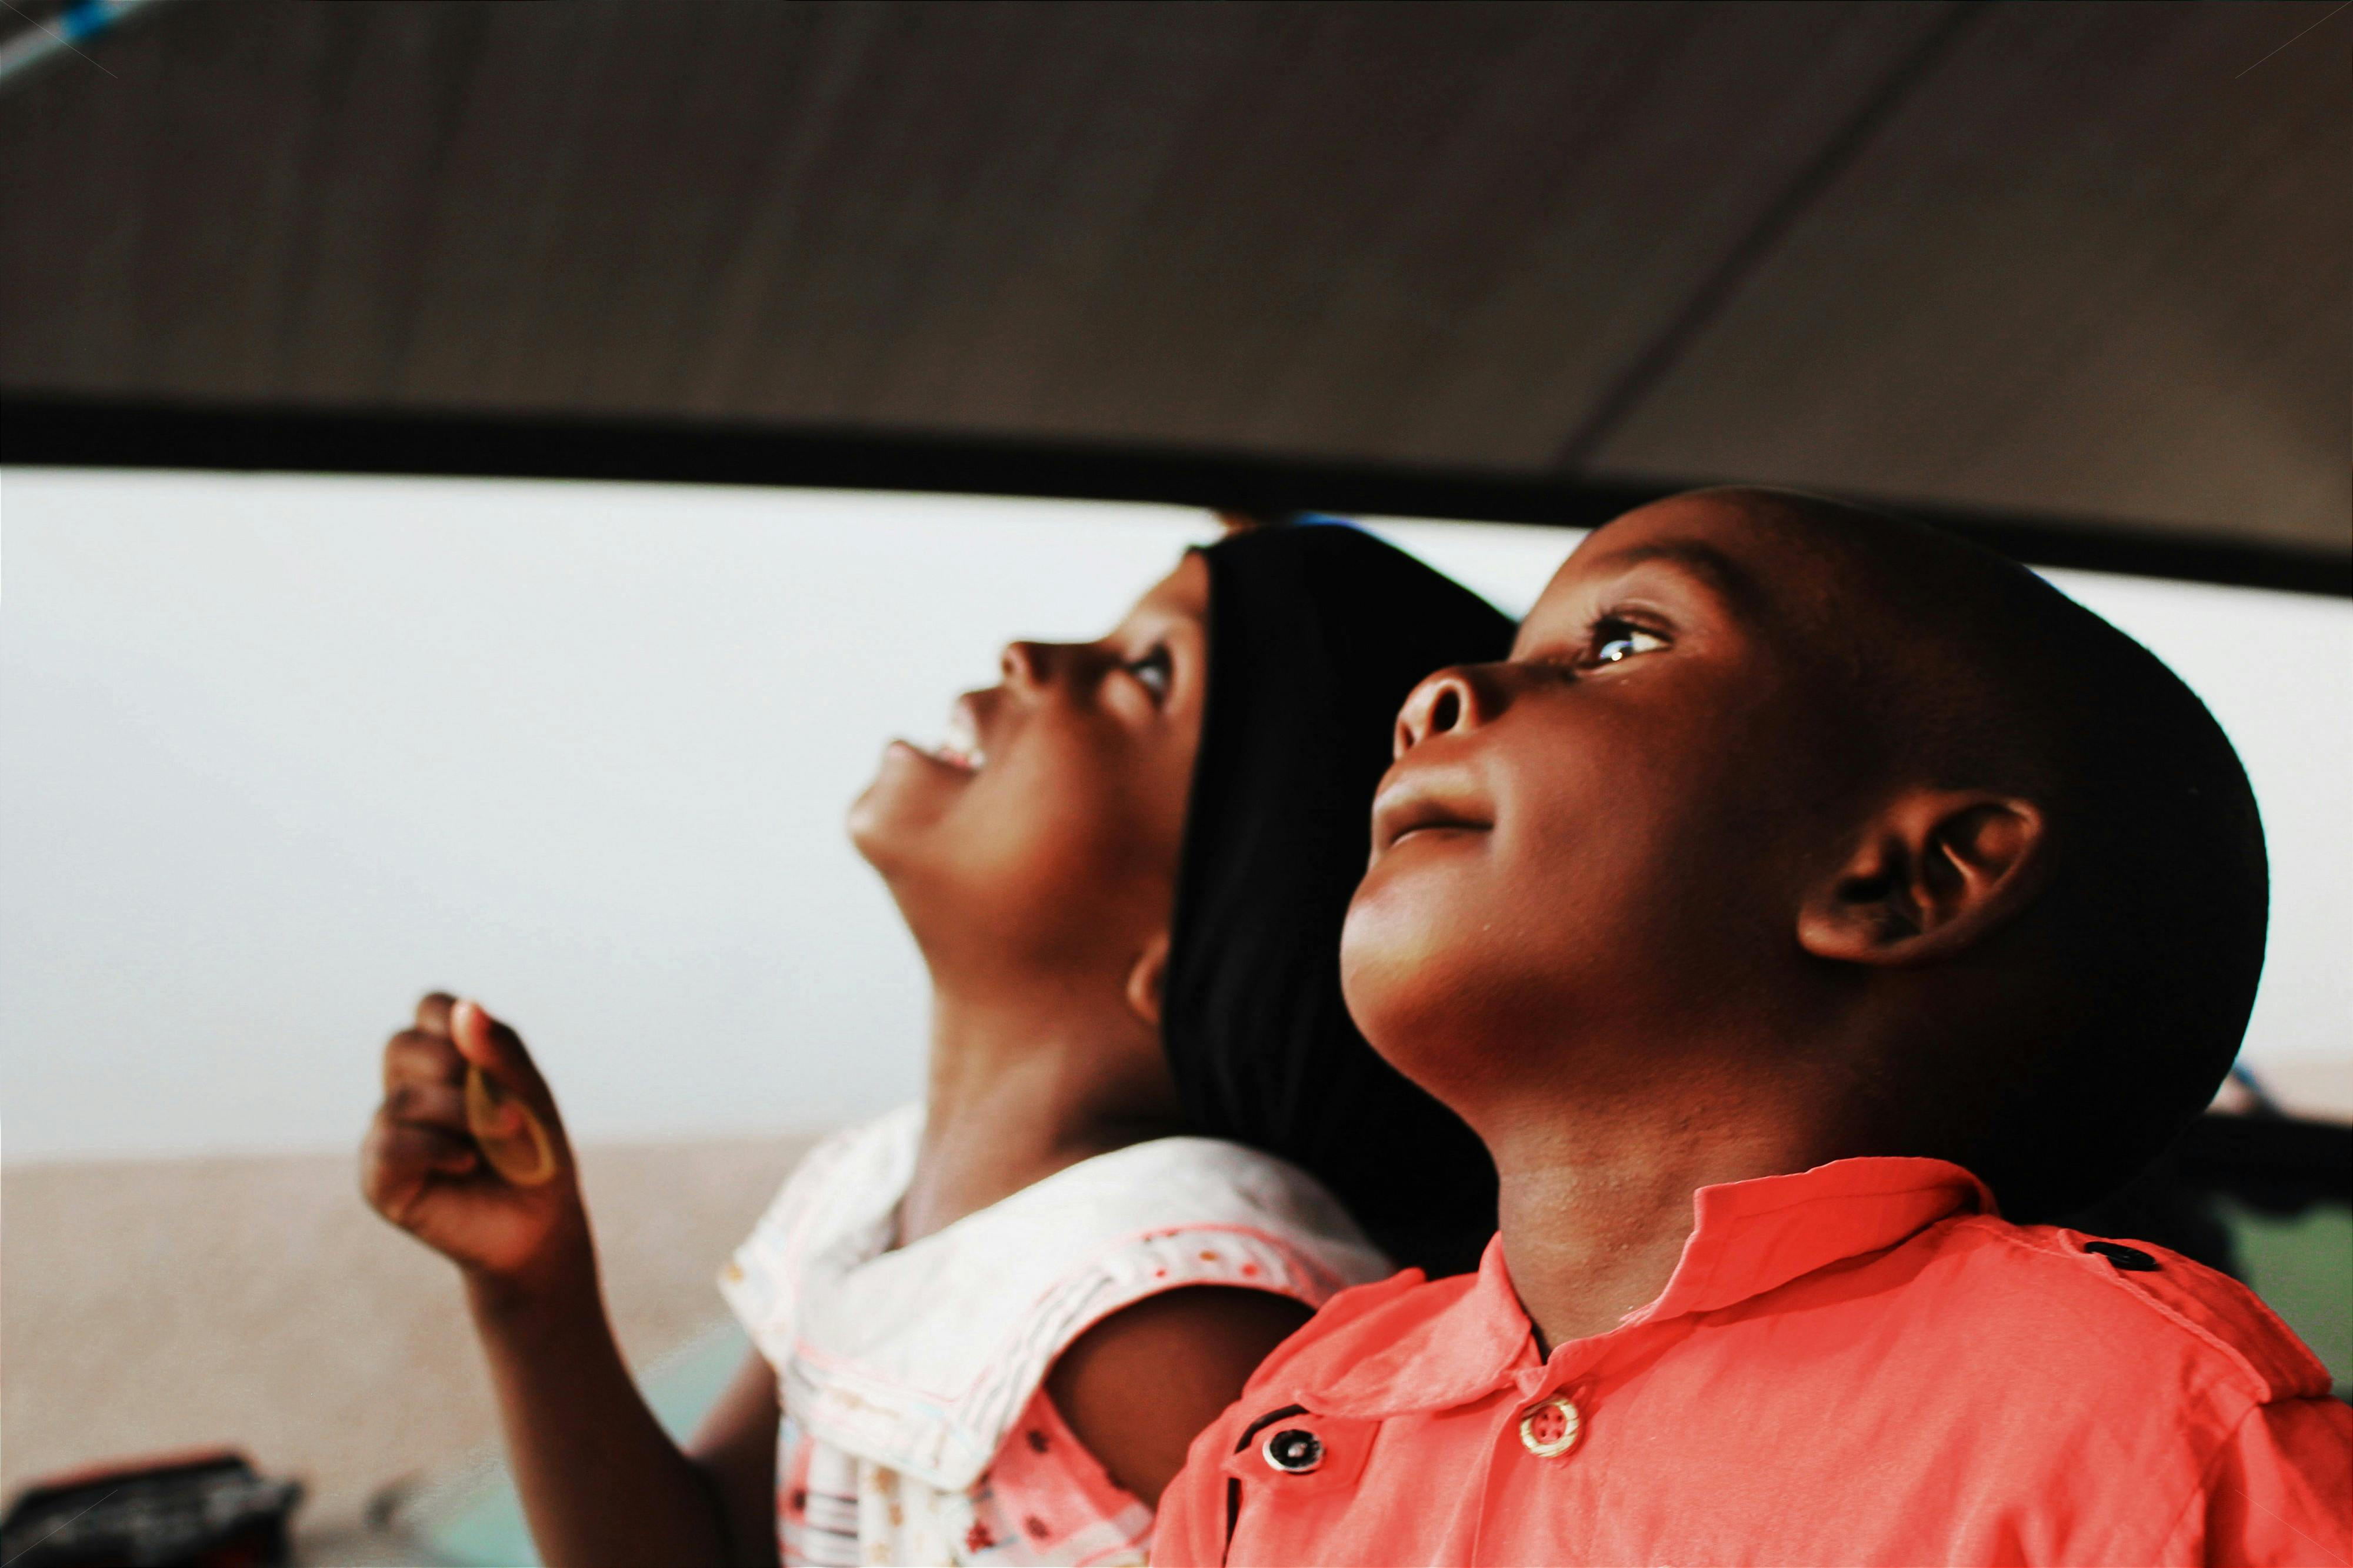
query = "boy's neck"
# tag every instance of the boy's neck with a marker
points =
(1020, 1089)
(1595, 1199)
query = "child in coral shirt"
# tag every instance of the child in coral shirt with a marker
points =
(1809, 905)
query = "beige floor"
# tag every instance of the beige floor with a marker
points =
(149, 1306)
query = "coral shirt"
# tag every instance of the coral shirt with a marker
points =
(1859, 1364)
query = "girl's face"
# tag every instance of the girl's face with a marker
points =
(1044, 831)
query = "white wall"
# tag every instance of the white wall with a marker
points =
(278, 753)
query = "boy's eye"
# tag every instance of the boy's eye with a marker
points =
(1615, 641)
(1154, 669)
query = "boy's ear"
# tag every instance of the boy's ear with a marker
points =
(1145, 979)
(1936, 872)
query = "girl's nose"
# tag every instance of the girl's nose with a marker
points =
(1444, 702)
(1023, 663)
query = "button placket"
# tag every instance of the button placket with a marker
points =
(1550, 1416)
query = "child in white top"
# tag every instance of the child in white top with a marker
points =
(986, 1329)
(917, 1426)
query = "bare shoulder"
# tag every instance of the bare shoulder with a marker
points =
(1138, 1386)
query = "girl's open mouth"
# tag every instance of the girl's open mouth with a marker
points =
(959, 744)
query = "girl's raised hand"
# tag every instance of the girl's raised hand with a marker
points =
(496, 1191)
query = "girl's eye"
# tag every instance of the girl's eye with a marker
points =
(1616, 641)
(1154, 669)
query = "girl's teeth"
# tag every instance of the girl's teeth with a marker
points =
(960, 745)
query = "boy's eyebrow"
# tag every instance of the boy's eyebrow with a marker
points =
(1732, 583)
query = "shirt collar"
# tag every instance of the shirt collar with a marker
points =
(1748, 1237)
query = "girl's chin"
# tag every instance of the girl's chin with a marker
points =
(909, 790)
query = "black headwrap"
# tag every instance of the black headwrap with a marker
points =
(1316, 634)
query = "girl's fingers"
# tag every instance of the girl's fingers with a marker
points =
(433, 1013)
(400, 1154)
(413, 1056)
(441, 1105)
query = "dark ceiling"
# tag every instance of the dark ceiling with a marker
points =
(2088, 261)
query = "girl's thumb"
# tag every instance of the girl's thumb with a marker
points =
(469, 1031)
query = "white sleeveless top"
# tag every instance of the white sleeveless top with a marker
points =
(916, 1427)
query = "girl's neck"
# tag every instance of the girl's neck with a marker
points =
(1019, 1089)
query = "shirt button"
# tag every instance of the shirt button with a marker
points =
(1294, 1450)
(2131, 1259)
(1551, 1427)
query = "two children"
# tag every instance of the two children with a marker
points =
(988, 1327)
(1806, 892)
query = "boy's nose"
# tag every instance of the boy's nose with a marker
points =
(1442, 703)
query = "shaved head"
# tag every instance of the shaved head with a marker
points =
(1829, 833)
(1962, 670)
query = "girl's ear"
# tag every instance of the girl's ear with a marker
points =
(1936, 872)
(1143, 980)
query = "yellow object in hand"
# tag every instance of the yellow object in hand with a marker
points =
(510, 1137)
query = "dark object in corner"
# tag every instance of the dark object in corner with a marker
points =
(199, 1510)
(2273, 1162)
(2267, 1161)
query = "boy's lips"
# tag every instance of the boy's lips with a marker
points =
(1421, 804)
